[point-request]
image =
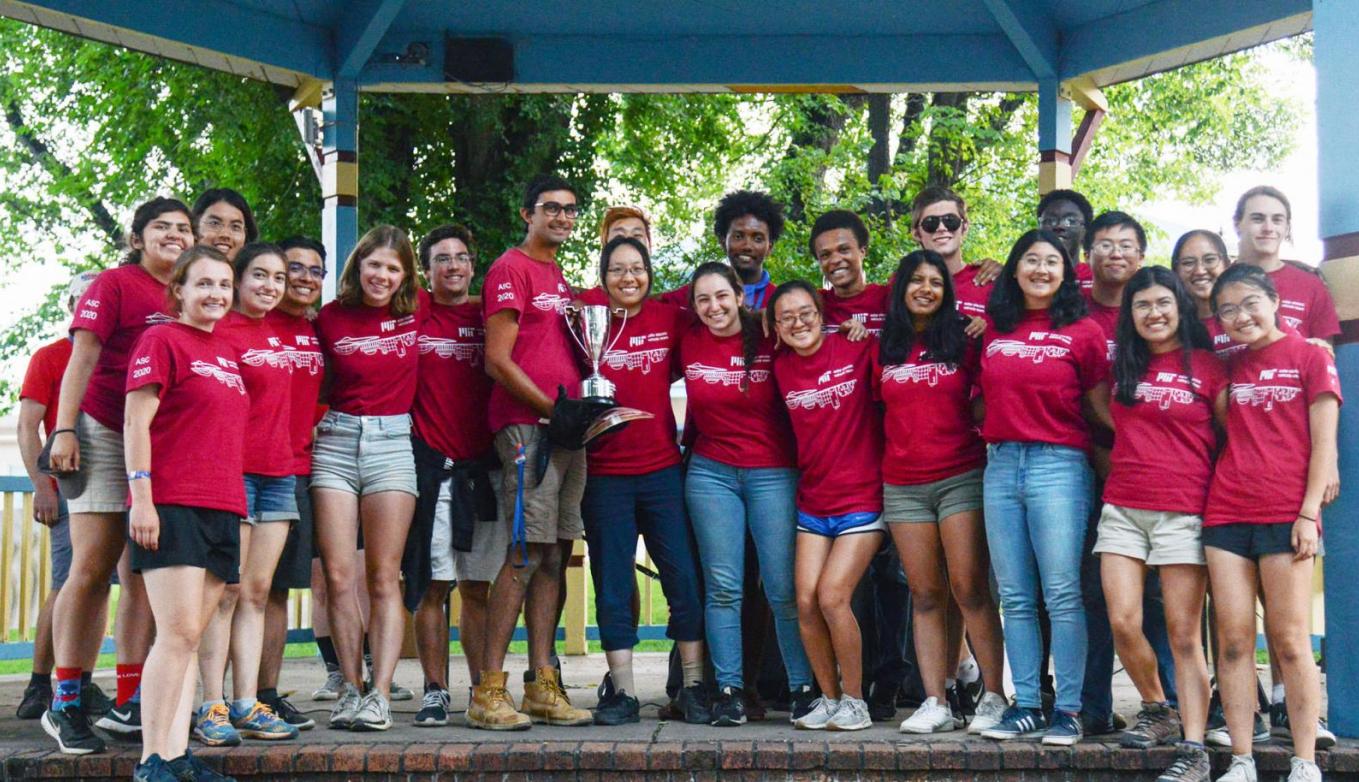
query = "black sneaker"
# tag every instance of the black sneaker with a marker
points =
(289, 713)
(618, 708)
(189, 767)
(1216, 735)
(693, 705)
(124, 721)
(728, 710)
(960, 701)
(434, 708)
(1100, 727)
(800, 702)
(155, 769)
(94, 702)
(882, 702)
(37, 698)
(752, 705)
(71, 728)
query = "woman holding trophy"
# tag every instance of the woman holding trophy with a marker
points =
(635, 485)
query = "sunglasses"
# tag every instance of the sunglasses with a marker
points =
(931, 224)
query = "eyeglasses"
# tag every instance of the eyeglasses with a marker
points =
(1202, 262)
(931, 224)
(552, 209)
(1161, 306)
(806, 316)
(296, 269)
(1251, 305)
(1105, 247)
(217, 225)
(444, 260)
(619, 273)
(1069, 221)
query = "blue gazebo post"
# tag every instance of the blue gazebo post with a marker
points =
(1336, 26)
(339, 177)
(1054, 137)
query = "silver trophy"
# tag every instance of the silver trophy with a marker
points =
(589, 327)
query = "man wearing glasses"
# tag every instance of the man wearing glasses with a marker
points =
(1067, 214)
(529, 355)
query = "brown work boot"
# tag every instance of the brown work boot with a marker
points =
(546, 701)
(492, 708)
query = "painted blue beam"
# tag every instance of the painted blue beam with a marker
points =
(1159, 27)
(216, 25)
(1054, 118)
(339, 155)
(602, 59)
(1031, 32)
(364, 24)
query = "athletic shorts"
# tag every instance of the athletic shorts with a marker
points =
(294, 565)
(363, 454)
(1251, 541)
(490, 540)
(930, 503)
(103, 471)
(1155, 537)
(270, 498)
(844, 524)
(552, 506)
(197, 537)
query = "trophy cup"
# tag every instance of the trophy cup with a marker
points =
(590, 330)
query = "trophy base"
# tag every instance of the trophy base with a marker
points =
(600, 400)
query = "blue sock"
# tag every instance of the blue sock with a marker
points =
(136, 695)
(67, 691)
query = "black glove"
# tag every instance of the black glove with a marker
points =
(570, 419)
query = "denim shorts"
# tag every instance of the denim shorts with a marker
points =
(843, 524)
(363, 454)
(270, 498)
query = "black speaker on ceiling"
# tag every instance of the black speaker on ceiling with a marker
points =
(478, 59)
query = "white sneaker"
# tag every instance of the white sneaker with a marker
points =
(342, 716)
(1242, 769)
(823, 709)
(989, 711)
(931, 717)
(333, 688)
(852, 715)
(373, 713)
(1303, 771)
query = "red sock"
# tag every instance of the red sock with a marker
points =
(129, 679)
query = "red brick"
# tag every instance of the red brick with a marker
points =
(982, 755)
(630, 756)
(560, 755)
(1272, 757)
(277, 760)
(879, 755)
(913, 756)
(348, 758)
(1124, 759)
(1053, 757)
(385, 758)
(700, 755)
(420, 758)
(772, 755)
(524, 756)
(947, 755)
(489, 757)
(1090, 755)
(123, 765)
(92, 766)
(736, 754)
(1343, 759)
(807, 755)
(1158, 759)
(596, 755)
(54, 765)
(843, 755)
(243, 761)
(666, 756)
(312, 759)
(455, 757)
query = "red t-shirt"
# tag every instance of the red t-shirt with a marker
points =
(746, 429)
(304, 349)
(868, 306)
(642, 364)
(1085, 276)
(1034, 377)
(829, 396)
(971, 297)
(372, 357)
(268, 372)
(930, 432)
(1107, 320)
(197, 435)
(1163, 457)
(538, 293)
(454, 389)
(42, 380)
(119, 305)
(1305, 302)
(1223, 344)
(1261, 477)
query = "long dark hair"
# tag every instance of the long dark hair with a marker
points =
(606, 255)
(1006, 305)
(944, 339)
(751, 332)
(1133, 353)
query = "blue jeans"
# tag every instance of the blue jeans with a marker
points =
(1038, 497)
(724, 502)
(615, 509)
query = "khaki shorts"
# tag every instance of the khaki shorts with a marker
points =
(931, 503)
(104, 470)
(552, 507)
(1155, 537)
(490, 542)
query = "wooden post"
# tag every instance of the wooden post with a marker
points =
(576, 597)
(26, 524)
(6, 555)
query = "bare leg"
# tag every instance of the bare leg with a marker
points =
(247, 623)
(969, 568)
(849, 558)
(337, 521)
(508, 592)
(431, 633)
(134, 628)
(386, 519)
(1233, 579)
(1288, 610)
(922, 557)
(42, 642)
(275, 638)
(215, 647)
(1182, 588)
(181, 597)
(97, 540)
(1124, 579)
(472, 626)
(808, 565)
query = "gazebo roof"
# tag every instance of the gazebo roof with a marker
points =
(683, 45)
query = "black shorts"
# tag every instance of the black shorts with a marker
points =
(294, 566)
(1251, 541)
(197, 537)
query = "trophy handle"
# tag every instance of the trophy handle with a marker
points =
(567, 312)
(621, 328)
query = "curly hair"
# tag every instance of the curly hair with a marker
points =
(748, 202)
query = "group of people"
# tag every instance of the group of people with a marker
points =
(1073, 440)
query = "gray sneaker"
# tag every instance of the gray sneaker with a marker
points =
(1191, 765)
(823, 709)
(342, 716)
(1242, 769)
(333, 688)
(374, 713)
(990, 709)
(852, 715)
(1157, 724)
(1303, 771)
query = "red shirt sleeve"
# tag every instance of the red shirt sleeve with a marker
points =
(504, 290)
(1092, 356)
(153, 363)
(98, 309)
(1320, 376)
(38, 381)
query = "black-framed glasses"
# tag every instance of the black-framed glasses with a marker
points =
(931, 224)
(552, 209)
(297, 269)
(1070, 221)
